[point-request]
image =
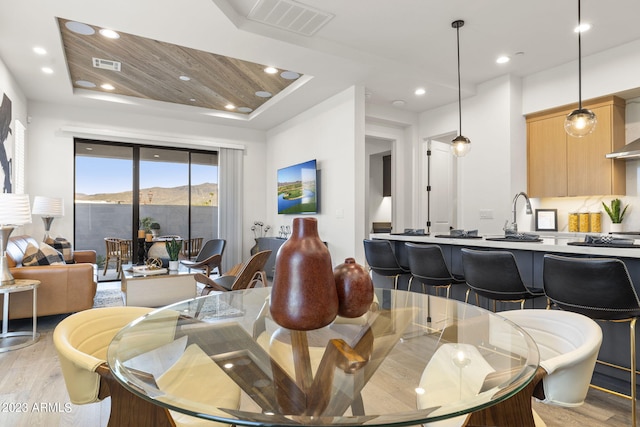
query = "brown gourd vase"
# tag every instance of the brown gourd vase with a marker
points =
(354, 287)
(304, 295)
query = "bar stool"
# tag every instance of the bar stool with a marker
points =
(382, 260)
(495, 275)
(427, 265)
(599, 288)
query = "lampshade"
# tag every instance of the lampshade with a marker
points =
(580, 122)
(14, 209)
(48, 206)
(460, 145)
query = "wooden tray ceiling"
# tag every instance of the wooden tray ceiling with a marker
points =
(151, 69)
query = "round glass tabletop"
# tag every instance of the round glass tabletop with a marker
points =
(411, 359)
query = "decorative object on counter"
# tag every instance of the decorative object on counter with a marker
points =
(546, 220)
(284, 232)
(521, 236)
(595, 222)
(582, 121)
(583, 222)
(173, 250)
(607, 239)
(354, 287)
(573, 222)
(460, 145)
(616, 214)
(461, 234)
(259, 230)
(304, 295)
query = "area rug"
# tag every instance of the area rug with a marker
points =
(107, 298)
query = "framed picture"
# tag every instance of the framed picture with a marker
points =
(546, 219)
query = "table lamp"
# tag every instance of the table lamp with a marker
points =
(14, 211)
(49, 208)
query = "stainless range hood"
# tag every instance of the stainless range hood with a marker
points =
(629, 151)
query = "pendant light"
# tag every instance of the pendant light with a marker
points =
(460, 145)
(582, 121)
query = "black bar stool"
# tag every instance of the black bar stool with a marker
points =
(601, 289)
(382, 260)
(495, 275)
(427, 265)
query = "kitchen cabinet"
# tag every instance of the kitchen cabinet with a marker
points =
(561, 165)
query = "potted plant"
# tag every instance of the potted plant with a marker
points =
(155, 228)
(616, 214)
(173, 249)
(145, 224)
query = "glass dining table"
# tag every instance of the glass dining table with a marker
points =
(411, 359)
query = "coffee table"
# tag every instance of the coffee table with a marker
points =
(157, 290)
(366, 371)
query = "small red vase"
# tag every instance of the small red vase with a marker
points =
(354, 287)
(304, 295)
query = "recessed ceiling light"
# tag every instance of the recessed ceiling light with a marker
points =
(503, 59)
(85, 83)
(230, 107)
(289, 75)
(107, 86)
(185, 78)
(582, 28)
(244, 109)
(263, 94)
(79, 28)
(110, 34)
(270, 70)
(420, 91)
(398, 103)
(40, 50)
(47, 70)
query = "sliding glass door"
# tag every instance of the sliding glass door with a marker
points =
(121, 188)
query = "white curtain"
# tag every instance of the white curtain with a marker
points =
(230, 205)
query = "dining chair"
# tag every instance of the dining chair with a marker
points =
(112, 253)
(126, 253)
(245, 276)
(191, 247)
(206, 259)
(568, 345)
(382, 260)
(495, 275)
(601, 289)
(82, 340)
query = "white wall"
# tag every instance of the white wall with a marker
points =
(50, 157)
(329, 133)
(495, 169)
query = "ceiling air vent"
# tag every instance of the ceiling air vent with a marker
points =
(106, 64)
(289, 15)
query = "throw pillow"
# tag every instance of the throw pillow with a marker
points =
(43, 255)
(63, 246)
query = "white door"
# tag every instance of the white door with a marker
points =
(439, 204)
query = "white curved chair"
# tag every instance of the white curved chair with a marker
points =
(568, 344)
(82, 340)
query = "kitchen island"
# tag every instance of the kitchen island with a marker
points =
(529, 257)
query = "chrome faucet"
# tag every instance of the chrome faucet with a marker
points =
(514, 224)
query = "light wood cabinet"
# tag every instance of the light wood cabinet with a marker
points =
(561, 165)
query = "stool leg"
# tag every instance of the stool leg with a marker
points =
(632, 342)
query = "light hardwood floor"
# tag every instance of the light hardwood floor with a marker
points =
(33, 394)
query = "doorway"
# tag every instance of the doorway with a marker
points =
(379, 206)
(438, 204)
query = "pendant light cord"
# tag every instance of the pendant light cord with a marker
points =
(579, 60)
(458, 25)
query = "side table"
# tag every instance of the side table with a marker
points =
(8, 339)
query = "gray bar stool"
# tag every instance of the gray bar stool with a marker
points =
(599, 288)
(495, 275)
(382, 260)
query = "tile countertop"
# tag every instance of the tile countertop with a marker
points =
(551, 242)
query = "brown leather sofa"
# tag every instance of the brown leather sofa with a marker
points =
(63, 288)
